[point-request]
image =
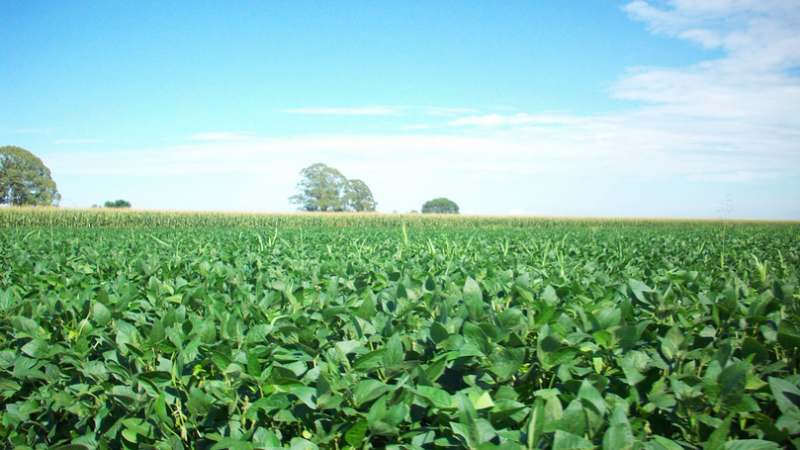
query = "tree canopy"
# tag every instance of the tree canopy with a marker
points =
(118, 204)
(440, 206)
(325, 189)
(358, 197)
(25, 180)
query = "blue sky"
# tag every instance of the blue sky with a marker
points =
(583, 108)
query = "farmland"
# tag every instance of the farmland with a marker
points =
(189, 330)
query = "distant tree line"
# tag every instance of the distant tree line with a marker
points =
(26, 181)
(118, 204)
(325, 189)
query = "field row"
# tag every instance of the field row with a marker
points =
(107, 217)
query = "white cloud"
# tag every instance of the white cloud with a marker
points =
(620, 147)
(439, 111)
(751, 83)
(79, 141)
(365, 111)
(519, 119)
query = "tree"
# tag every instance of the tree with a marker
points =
(325, 189)
(321, 189)
(440, 206)
(358, 197)
(25, 180)
(118, 204)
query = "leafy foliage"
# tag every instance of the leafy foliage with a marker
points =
(440, 206)
(118, 204)
(102, 217)
(24, 179)
(358, 197)
(325, 189)
(558, 337)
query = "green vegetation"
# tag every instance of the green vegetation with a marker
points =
(118, 204)
(440, 206)
(401, 332)
(24, 179)
(325, 189)
(100, 217)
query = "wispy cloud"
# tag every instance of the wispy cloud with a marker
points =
(447, 112)
(79, 141)
(752, 82)
(518, 119)
(220, 136)
(364, 111)
(384, 110)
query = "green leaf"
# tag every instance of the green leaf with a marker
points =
(157, 333)
(618, 435)
(232, 444)
(307, 395)
(376, 413)
(550, 295)
(473, 298)
(750, 444)
(159, 378)
(481, 401)
(302, 444)
(536, 423)
(253, 365)
(788, 334)
(733, 379)
(394, 351)
(370, 361)
(36, 348)
(439, 333)
(638, 288)
(476, 336)
(396, 414)
(573, 419)
(751, 346)
(507, 362)
(367, 309)
(207, 332)
(632, 365)
(323, 388)
(786, 395)
(588, 392)
(199, 403)
(439, 398)
(717, 439)
(668, 444)
(355, 435)
(102, 316)
(269, 404)
(568, 441)
(475, 434)
(367, 390)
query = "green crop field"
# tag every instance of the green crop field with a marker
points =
(148, 330)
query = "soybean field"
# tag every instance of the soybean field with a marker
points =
(397, 333)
